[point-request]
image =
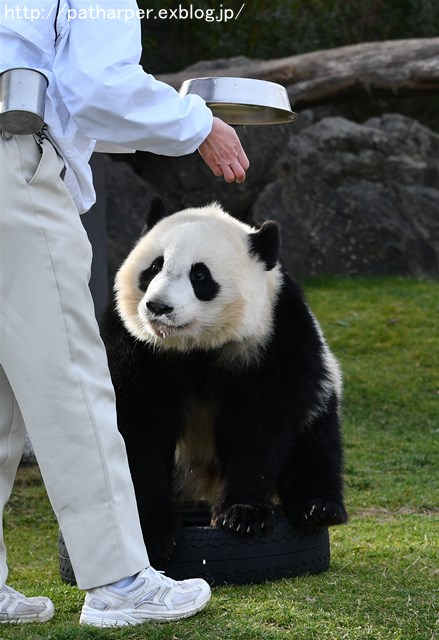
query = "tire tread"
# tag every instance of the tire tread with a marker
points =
(221, 557)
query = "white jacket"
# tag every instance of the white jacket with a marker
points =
(97, 90)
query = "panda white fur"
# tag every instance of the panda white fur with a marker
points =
(223, 375)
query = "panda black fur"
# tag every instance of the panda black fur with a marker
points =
(222, 373)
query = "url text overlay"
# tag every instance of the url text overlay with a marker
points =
(100, 12)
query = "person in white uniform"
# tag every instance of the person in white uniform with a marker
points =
(54, 378)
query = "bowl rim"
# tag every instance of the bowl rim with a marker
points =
(253, 109)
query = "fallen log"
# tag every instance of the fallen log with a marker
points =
(389, 68)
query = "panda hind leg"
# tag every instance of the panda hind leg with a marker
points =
(311, 483)
(324, 513)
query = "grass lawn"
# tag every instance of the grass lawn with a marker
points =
(383, 580)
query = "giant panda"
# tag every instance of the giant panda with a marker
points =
(226, 389)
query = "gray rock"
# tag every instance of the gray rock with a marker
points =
(358, 199)
(126, 201)
(187, 181)
(355, 199)
(28, 456)
(183, 182)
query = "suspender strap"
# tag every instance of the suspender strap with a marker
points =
(56, 19)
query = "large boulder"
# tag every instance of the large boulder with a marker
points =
(182, 182)
(187, 181)
(131, 182)
(127, 197)
(355, 199)
(358, 198)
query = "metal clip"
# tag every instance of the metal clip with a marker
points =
(40, 136)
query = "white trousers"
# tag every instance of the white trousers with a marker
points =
(53, 371)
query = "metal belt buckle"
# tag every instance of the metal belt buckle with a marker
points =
(22, 100)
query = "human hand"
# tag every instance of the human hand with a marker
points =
(223, 153)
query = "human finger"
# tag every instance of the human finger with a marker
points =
(243, 159)
(238, 171)
(227, 172)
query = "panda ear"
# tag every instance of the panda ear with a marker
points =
(265, 244)
(157, 211)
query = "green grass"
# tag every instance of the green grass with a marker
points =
(386, 334)
(383, 580)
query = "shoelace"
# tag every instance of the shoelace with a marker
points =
(169, 582)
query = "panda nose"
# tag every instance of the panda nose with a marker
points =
(159, 308)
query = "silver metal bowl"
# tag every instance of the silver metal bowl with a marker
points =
(242, 100)
(22, 100)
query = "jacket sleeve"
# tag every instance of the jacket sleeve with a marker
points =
(109, 95)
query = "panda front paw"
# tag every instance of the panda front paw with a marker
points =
(246, 520)
(324, 513)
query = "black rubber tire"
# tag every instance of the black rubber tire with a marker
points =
(65, 566)
(221, 557)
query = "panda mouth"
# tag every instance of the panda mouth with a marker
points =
(163, 331)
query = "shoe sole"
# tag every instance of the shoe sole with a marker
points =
(23, 620)
(94, 618)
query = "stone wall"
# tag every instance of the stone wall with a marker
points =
(352, 199)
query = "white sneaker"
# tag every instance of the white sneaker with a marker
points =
(16, 608)
(151, 597)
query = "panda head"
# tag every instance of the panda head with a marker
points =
(200, 279)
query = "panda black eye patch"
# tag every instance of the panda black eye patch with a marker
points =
(147, 275)
(203, 284)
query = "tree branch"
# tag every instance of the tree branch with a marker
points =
(389, 68)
